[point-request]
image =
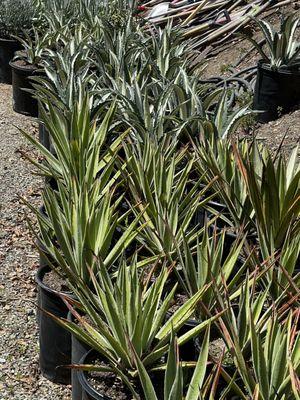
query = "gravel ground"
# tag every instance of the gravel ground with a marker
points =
(20, 378)
(285, 132)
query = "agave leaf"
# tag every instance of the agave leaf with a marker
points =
(181, 315)
(146, 382)
(197, 380)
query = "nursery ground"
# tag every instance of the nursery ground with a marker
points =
(19, 372)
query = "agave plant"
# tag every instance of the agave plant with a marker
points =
(125, 320)
(80, 144)
(35, 45)
(133, 66)
(56, 14)
(67, 75)
(275, 360)
(215, 159)
(276, 367)
(283, 266)
(174, 385)
(204, 262)
(277, 185)
(223, 121)
(159, 187)
(283, 48)
(240, 304)
(74, 232)
(273, 188)
(82, 219)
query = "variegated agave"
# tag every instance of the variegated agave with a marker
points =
(125, 321)
(283, 48)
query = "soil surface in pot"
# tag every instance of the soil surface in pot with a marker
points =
(179, 300)
(53, 281)
(218, 351)
(108, 384)
(24, 65)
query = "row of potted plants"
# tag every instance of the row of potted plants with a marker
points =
(169, 252)
(275, 92)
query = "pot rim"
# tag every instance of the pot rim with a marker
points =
(84, 382)
(32, 68)
(41, 272)
(283, 71)
(9, 40)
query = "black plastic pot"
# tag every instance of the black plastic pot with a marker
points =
(88, 392)
(276, 92)
(44, 137)
(79, 349)
(55, 342)
(7, 51)
(42, 263)
(23, 101)
(42, 259)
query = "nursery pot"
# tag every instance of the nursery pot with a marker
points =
(44, 136)
(55, 341)
(79, 349)
(276, 92)
(88, 392)
(8, 48)
(42, 258)
(23, 101)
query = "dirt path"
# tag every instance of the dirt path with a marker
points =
(19, 373)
